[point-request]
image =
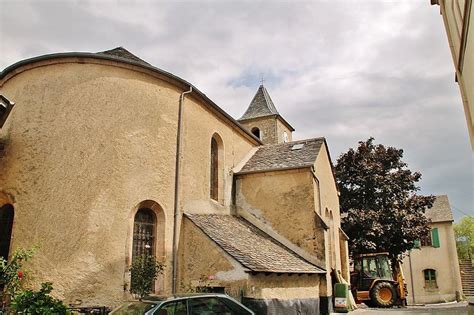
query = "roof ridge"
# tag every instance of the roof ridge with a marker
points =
(121, 52)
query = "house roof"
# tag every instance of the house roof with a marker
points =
(262, 106)
(290, 155)
(441, 210)
(250, 246)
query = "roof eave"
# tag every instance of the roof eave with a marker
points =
(274, 170)
(181, 82)
(278, 116)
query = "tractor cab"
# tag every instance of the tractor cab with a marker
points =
(375, 282)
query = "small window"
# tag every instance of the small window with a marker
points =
(426, 240)
(285, 137)
(430, 279)
(256, 132)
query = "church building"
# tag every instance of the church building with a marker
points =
(105, 157)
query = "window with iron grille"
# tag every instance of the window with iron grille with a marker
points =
(144, 233)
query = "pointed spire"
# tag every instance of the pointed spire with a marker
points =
(261, 105)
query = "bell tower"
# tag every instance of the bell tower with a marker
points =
(264, 121)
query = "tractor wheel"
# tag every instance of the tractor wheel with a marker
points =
(383, 294)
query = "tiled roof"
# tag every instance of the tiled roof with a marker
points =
(261, 105)
(441, 210)
(296, 154)
(123, 53)
(251, 247)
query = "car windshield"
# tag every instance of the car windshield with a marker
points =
(134, 308)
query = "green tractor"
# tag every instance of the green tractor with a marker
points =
(376, 283)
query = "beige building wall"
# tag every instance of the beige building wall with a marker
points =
(457, 15)
(329, 209)
(88, 141)
(284, 201)
(443, 260)
(288, 200)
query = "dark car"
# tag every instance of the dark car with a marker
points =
(202, 304)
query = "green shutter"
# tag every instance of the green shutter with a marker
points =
(435, 237)
(417, 244)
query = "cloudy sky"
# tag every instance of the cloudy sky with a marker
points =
(343, 69)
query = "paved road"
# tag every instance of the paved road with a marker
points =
(456, 309)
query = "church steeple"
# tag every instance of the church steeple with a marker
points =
(260, 106)
(264, 121)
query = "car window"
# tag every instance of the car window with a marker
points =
(134, 308)
(212, 306)
(172, 308)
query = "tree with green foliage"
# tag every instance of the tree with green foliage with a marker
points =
(144, 271)
(464, 231)
(38, 302)
(381, 211)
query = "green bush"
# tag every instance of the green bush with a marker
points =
(13, 273)
(144, 271)
(38, 302)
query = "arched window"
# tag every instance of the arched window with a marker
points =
(144, 230)
(256, 132)
(6, 224)
(216, 170)
(285, 137)
(430, 279)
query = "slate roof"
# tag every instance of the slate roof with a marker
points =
(441, 210)
(123, 53)
(260, 106)
(250, 246)
(283, 156)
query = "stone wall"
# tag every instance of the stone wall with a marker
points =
(267, 126)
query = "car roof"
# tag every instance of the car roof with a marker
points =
(162, 298)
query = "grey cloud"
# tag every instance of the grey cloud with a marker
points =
(346, 70)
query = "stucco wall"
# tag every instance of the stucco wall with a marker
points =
(330, 210)
(263, 286)
(443, 260)
(85, 144)
(284, 201)
(202, 263)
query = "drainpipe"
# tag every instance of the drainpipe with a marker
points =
(411, 278)
(176, 188)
